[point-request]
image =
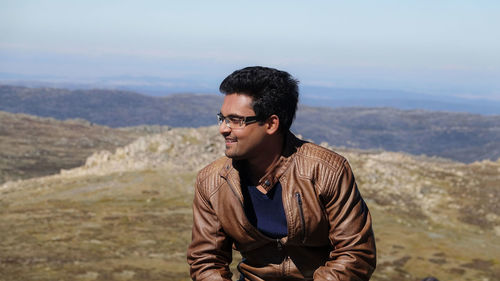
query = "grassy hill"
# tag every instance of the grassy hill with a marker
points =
(127, 215)
(458, 136)
(31, 146)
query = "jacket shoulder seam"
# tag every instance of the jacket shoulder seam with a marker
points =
(211, 171)
(332, 161)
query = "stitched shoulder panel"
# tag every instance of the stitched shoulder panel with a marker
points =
(315, 152)
(212, 168)
(208, 179)
(319, 164)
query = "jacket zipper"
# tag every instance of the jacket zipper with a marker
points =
(253, 229)
(278, 241)
(302, 219)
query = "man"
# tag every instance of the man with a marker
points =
(291, 208)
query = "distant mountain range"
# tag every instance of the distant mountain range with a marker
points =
(310, 94)
(459, 136)
(112, 107)
(344, 97)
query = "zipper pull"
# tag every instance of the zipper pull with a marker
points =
(279, 244)
(299, 199)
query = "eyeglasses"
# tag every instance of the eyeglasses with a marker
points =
(235, 122)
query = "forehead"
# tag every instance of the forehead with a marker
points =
(237, 104)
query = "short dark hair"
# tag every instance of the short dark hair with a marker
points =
(273, 92)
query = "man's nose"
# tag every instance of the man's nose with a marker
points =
(224, 128)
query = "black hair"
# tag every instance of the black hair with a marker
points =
(273, 92)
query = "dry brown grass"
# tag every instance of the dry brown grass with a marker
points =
(32, 146)
(130, 226)
(431, 217)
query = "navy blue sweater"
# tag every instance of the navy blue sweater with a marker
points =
(265, 211)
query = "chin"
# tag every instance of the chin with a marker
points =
(233, 156)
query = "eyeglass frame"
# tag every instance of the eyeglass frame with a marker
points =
(242, 120)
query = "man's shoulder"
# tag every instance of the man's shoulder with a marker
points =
(311, 153)
(322, 166)
(213, 168)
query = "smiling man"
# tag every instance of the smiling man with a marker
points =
(291, 208)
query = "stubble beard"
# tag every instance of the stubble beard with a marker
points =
(230, 154)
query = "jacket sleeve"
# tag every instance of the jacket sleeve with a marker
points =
(210, 252)
(353, 256)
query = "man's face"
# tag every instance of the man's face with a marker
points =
(241, 143)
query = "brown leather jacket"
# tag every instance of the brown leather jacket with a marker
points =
(329, 226)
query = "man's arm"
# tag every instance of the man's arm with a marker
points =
(354, 255)
(209, 253)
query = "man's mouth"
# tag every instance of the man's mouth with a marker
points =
(230, 140)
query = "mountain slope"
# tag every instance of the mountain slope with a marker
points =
(111, 108)
(32, 146)
(127, 215)
(459, 136)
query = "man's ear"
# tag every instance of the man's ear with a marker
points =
(272, 124)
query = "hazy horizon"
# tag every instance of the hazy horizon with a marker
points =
(442, 49)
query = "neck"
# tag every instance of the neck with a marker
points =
(257, 167)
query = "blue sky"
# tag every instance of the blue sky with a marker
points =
(433, 47)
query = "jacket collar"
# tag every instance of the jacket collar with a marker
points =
(233, 168)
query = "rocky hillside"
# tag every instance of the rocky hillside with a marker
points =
(126, 215)
(458, 136)
(32, 146)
